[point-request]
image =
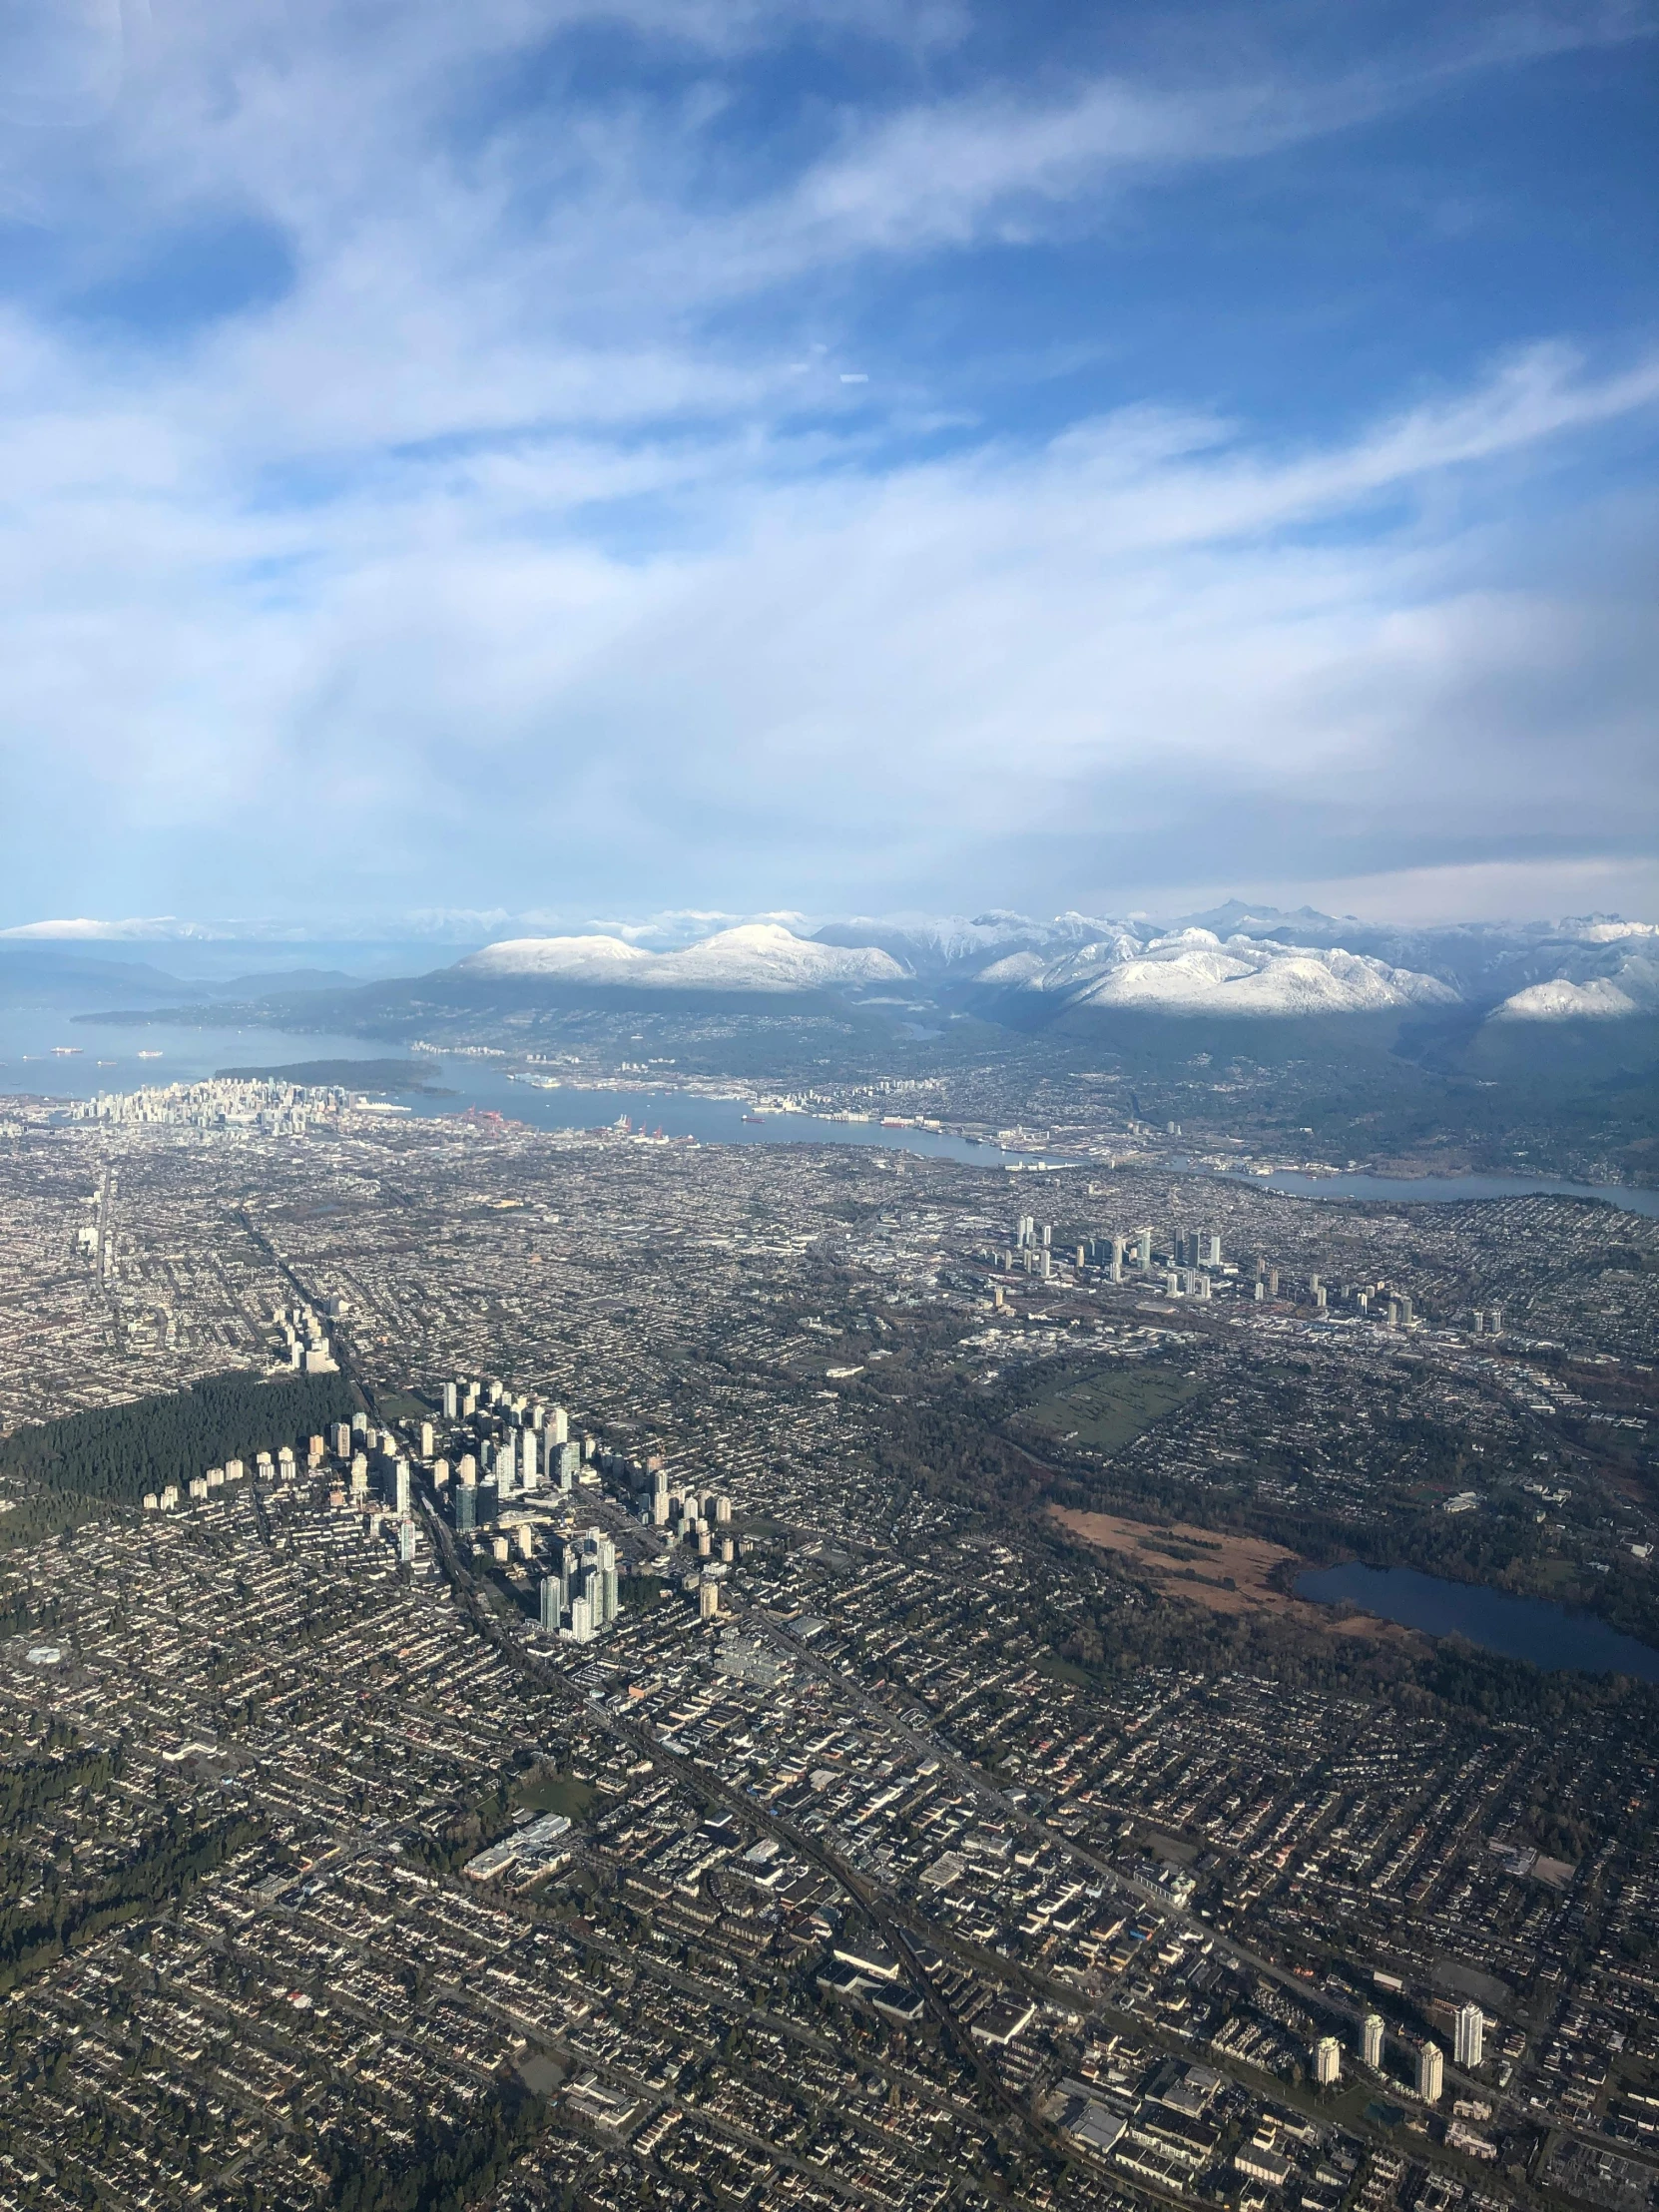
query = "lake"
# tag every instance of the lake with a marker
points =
(1530, 1628)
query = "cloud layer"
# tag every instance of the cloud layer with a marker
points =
(550, 458)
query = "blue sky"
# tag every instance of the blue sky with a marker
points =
(575, 459)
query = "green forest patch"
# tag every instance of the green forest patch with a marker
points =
(60, 1473)
(351, 1075)
(555, 1793)
(1105, 1408)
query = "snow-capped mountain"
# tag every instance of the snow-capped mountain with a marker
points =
(950, 946)
(82, 929)
(1598, 1001)
(1194, 971)
(766, 956)
(1260, 962)
(759, 956)
(1239, 957)
(1239, 954)
(1603, 965)
(580, 959)
(1071, 974)
(1604, 971)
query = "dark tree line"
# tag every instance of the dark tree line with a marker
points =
(447, 2166)
(473, 1827)
(26, 1790)
(113, 1456)
(173, 1861)
(18, 1611)
(961, 1450)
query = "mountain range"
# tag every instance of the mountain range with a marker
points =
(1233, 960)
(761, 957)
(1595, 973)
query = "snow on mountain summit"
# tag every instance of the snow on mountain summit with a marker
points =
(953, 945)
(762, 955)
(1609, 971)
(1595, 968)
(1254, 960)
(579, 959)
(1600, 1000)
(1192, 971)
(756, 957)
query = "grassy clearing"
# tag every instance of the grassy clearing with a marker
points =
(399, 1405)
(555, 1793)
(1220, 1571)
(1105, 1408)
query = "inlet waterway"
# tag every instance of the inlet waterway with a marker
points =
(1529, 1628)
(1413, 1190)
(43, 1052)
(710, 1120)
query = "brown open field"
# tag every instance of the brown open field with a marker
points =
(1210, 1567)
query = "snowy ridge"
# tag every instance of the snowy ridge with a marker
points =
(1604, 972)
(1268, 965)
(759, 956)
(1601, 999)
(1071, 974)
(81, 929)
(1192, 971)
(584, 960)
(956, 943)
(1241, 957)
(1237, 957)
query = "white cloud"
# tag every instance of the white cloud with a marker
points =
(487, 565)
(856, 674)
